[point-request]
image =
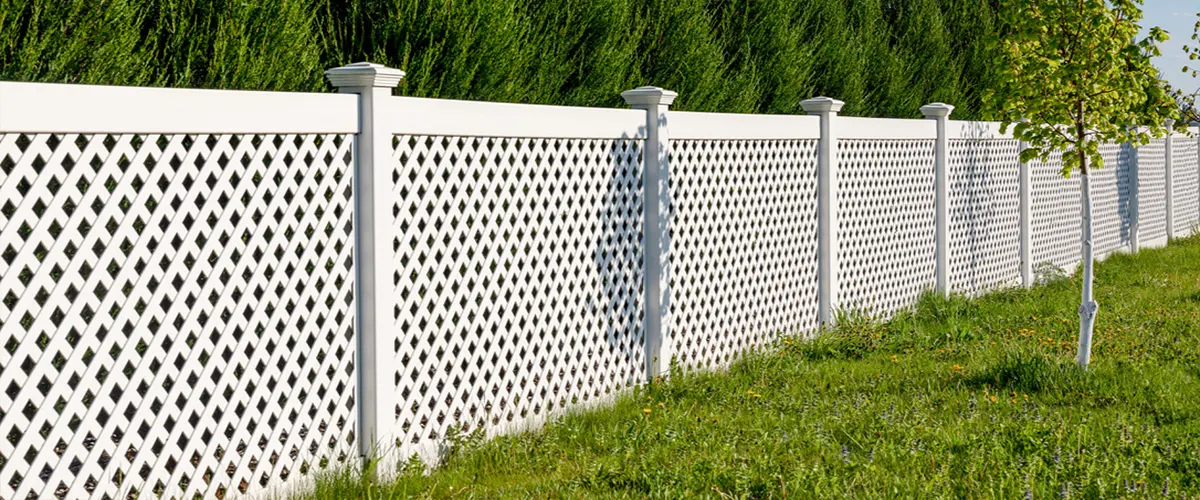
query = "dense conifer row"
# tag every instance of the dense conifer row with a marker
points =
(883, 57)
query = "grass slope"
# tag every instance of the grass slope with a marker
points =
(959, 398)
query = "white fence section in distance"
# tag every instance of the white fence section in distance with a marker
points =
(207, 294)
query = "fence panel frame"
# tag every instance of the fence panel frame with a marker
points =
(365, 109)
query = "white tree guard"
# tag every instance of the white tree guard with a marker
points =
(886, 223)
(1056, 210)
(1112, 200)
(177, 313)
(519, 290)
(985, 230)
(1185, 172)
(744, 245)
(1152, 192)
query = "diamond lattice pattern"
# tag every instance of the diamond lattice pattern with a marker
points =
(1057, 208)
(985, 233)
(1112, 199)
(176, 315)
(1152, 191)
(1185, 173)
(744, 245)
(519, 283)
(886, 223)
(1055, 211)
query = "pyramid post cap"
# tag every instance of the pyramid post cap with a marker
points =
(937, 110)
(364, 74)
(821, 104)
(649, 96)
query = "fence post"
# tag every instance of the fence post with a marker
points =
(1170, 122)
(827, 220)
(941, 187)
(1135, 198)
(1197, 125)
(372, 250)
(656, 220)
(1026, 204)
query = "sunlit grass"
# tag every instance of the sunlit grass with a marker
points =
(958, 398)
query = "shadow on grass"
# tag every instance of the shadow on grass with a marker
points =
(844, 342)
(1033, 373)
(1165, 393)
(933, 322)
(1192, 297)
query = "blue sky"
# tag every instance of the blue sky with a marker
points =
(1177, 17)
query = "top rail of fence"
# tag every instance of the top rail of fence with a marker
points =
(414, 115)
(732, 126)
(961, 129)
(852, 127)
(68, 108)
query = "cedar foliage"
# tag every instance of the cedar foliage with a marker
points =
(883, 57)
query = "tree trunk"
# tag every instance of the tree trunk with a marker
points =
(1087, 307)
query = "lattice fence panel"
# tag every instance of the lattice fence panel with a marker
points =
(744, 245)
(1112, 197)
(1055, 210)
(1185, 172)
(519, 289)
(1152, 191)
(177, 313)
(985, 231)
(886, 223)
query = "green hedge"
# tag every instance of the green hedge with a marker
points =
(883, 57)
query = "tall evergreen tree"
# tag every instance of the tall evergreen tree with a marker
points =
(883, 57)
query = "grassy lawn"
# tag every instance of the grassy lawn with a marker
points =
(960, 398)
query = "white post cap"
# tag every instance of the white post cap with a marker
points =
(937, 110)
(364, 74)
(821, 104)
(649, 96)
(1169, 122)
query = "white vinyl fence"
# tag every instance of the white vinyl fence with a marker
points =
(205, 294)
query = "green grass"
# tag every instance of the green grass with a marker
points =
(959, 398)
